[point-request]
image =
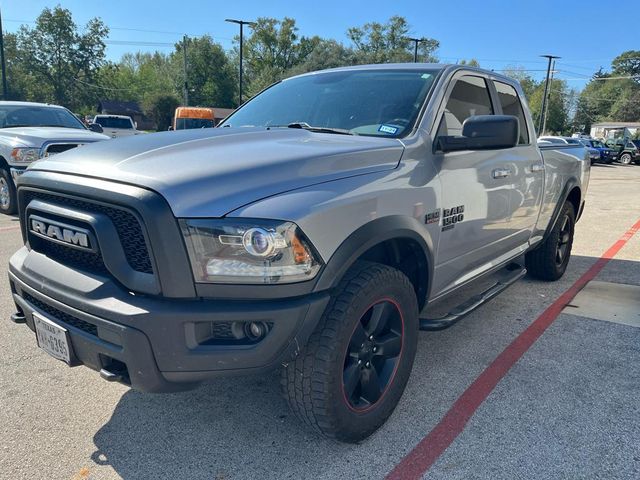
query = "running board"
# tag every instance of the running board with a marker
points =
(514, 272)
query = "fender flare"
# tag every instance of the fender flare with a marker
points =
(564, 195)
(370, 235)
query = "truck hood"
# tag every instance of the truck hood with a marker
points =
(36, 136)
(210, 172)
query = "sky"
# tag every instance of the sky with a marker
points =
(587, 34)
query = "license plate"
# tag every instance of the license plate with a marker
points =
(52, 338)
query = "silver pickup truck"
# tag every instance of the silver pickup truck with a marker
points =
(29, 131)
(315, 231)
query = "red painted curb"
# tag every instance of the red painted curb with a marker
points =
(416, 463)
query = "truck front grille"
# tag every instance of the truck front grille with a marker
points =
(126, 224)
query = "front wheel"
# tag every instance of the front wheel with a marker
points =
(7, 193)
(351, 374)
(550, 259)
(625, 158)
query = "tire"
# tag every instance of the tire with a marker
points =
(549, 260)
(625, 158)
(8, 198)
(331, 385)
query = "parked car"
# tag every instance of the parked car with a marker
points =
(306, 234)
(29, 131)
(116, 125)
(627, 152)
(607, 155)
(594, 154)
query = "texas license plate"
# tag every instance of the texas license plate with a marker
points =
(52, 338)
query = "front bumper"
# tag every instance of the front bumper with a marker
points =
(152, 343)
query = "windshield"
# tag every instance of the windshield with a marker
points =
(597, 144)
(114, 122)
(187, 123)
(37, 116)
(383, 103)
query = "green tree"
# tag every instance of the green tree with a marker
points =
(160, 108)
(471, 63)
(211, 76)
(323, 54)
(272, 49)
(58, 60)
(627, 63)
(389, 42)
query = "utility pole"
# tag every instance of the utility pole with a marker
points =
(546, 91)
(546, 112)
(4, 71)
(242, 23)
(416, 41)
(186, 84)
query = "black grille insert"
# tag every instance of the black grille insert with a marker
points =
(60, 315)
(54, 148)
(126, 224)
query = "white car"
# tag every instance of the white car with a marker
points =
(116, 125)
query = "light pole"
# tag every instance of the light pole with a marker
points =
(544, 98)
(416, 41)
(242, 23)
(4, 72)
(546, 112)
(186, 83)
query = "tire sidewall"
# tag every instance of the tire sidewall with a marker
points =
(359, 424)
(566, 211)
(12, 193)
(625, 156)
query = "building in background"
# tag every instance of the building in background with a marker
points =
(615, 129)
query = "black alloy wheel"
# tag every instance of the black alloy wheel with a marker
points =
(372, 355)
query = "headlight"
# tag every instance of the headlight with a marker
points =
(25, 155)
(248, 251)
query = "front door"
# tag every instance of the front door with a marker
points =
(476, 190)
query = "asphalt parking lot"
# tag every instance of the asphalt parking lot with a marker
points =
(569, 406)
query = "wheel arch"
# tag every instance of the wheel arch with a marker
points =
(571, 193)
(397, 241)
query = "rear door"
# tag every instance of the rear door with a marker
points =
(475, 192)
(526, 171)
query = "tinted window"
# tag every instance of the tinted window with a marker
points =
(469, 97)
(114, 122)
(572, 141)
(189, 123)
(37, 116)
(365, 102)
(511, 106)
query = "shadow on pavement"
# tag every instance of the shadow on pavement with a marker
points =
(242, 428)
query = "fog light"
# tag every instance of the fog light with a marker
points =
(255, 330)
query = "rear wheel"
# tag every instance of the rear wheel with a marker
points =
(549, 260)
(353, 371)
(7, 193)
(625, 158)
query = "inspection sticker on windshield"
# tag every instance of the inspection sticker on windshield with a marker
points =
(388, 129)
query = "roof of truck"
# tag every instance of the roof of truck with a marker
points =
(450, 67)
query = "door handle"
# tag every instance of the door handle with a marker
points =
(537, 167)
(501, 173)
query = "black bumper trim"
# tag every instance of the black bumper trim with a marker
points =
(152, 344)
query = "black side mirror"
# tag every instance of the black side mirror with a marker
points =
(483, 132)
(94, 127)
